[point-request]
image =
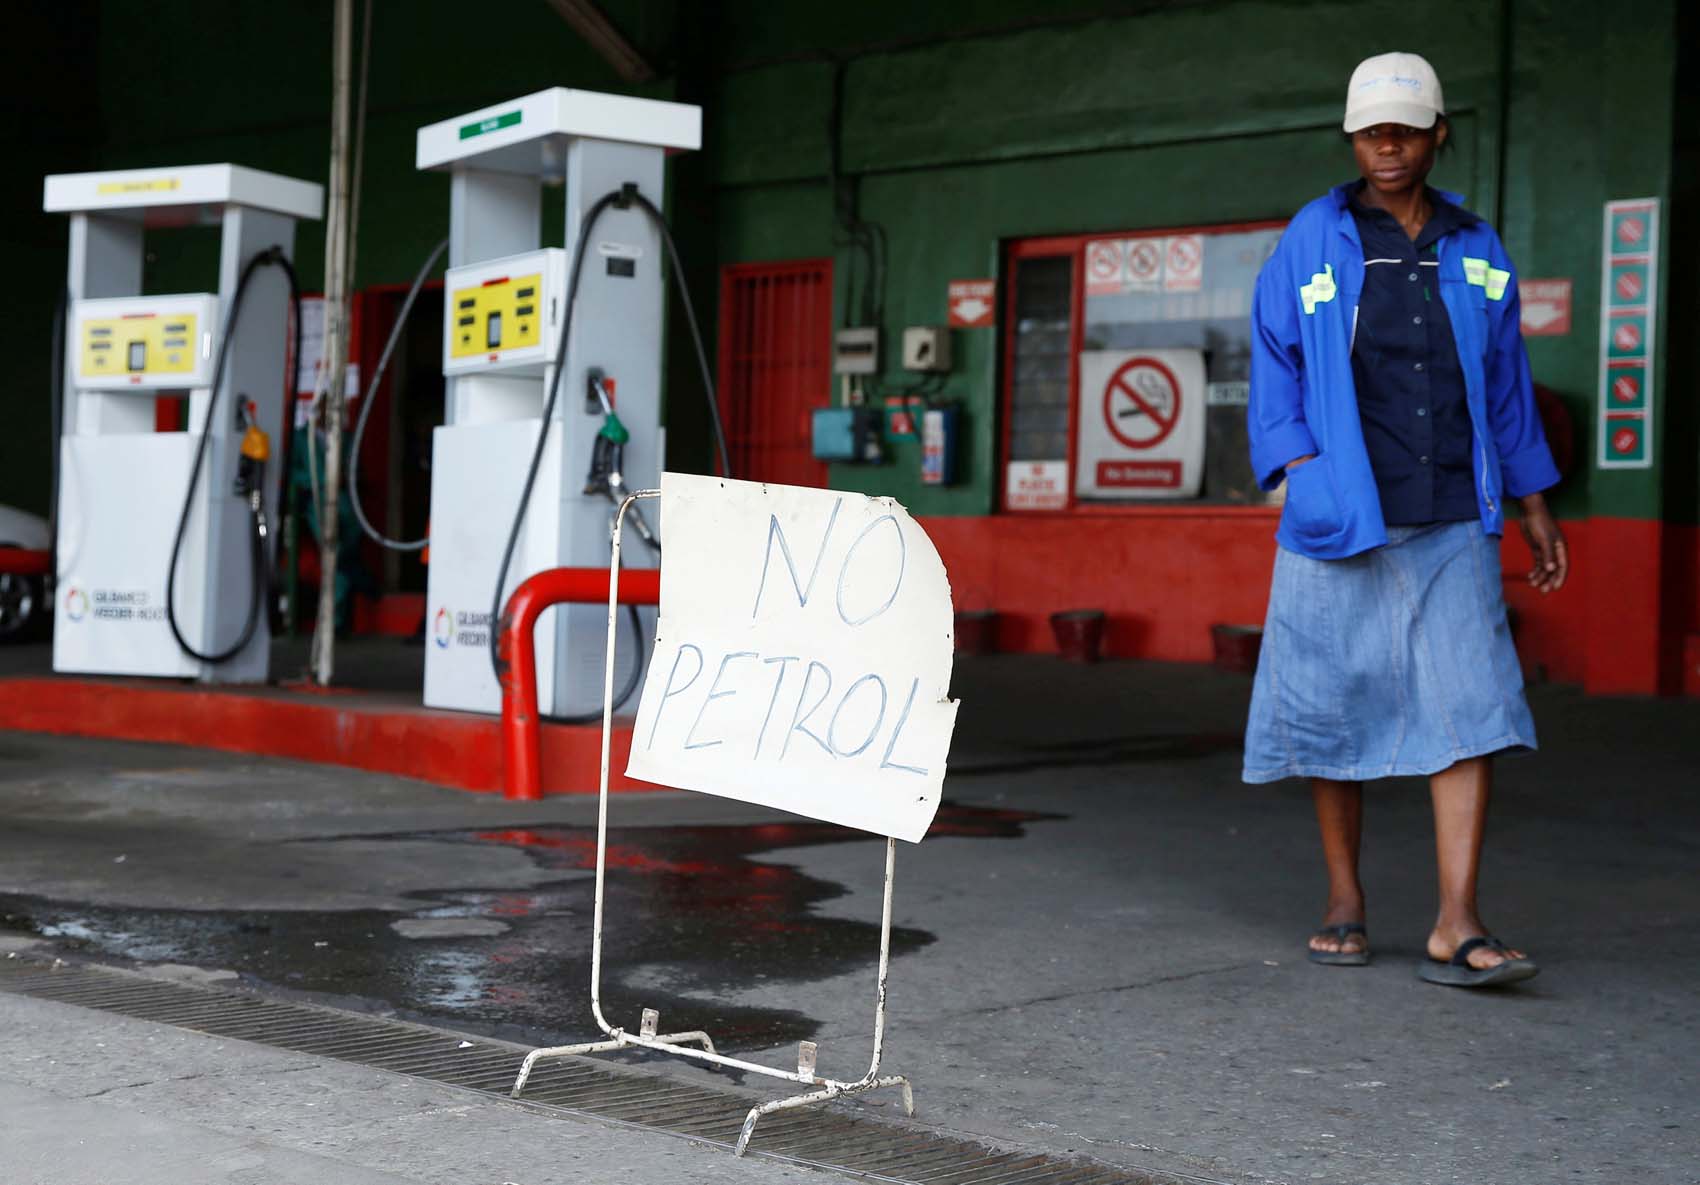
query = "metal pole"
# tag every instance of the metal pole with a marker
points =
(336, 339)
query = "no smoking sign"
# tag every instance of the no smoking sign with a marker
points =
(1629, 316)
(1140, 427)
(1142, 403)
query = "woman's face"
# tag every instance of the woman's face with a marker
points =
(1394, 158)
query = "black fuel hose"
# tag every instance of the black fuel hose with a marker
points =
(273, 257)
(623, 198)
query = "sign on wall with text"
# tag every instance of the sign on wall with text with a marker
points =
(803, 654)
(1629, 314)
(1140, 424)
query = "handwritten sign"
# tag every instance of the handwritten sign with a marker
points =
(802, 657)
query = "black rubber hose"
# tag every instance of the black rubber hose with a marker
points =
(272, 256)
(719, 426)
(627, 195)
(372, 532)
(614, 197)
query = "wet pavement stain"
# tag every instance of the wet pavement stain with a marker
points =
(693, 915)
(1111, 752)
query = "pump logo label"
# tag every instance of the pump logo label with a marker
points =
(456, 628)
(112, 604)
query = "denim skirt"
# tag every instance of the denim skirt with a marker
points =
(1395, 661)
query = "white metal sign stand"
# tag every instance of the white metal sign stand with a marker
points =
(681, 1044)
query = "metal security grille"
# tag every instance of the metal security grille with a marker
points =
(819, 1139)
(775, 366)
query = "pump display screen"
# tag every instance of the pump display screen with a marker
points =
(147, 343)
(507, 307)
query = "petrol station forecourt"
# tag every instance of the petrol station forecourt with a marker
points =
(375, 805)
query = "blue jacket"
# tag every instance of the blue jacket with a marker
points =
(1303, 399)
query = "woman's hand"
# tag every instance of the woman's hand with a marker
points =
(1546, 544)
(1297, 461)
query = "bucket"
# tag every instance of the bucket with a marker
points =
(1079, 633)
(1236, 647)
(977, 632)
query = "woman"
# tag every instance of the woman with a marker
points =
(1390, 391)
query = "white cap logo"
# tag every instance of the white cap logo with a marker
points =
(1393, 88)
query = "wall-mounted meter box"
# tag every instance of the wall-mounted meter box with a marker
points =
(504, 314)
(856, 351)
(926, 349)
(146, 343)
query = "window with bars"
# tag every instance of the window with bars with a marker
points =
(775, 366)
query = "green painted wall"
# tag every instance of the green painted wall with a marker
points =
(1180, 115)
(964, 125)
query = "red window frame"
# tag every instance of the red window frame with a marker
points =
(1074, 246)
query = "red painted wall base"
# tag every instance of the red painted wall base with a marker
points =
(455, 749)
(1164, 577)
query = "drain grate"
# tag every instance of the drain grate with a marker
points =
(812, 1137)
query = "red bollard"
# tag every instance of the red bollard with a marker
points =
(516, 659)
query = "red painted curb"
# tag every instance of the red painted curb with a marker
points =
(361, 731)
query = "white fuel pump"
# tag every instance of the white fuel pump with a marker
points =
(529, 415)
(162, 543)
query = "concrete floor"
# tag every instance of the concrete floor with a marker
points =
(1100, 952)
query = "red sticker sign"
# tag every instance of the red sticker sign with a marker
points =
(1142, 403)
(972, 303)
(1546, 307)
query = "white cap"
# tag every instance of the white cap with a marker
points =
(1393, 88)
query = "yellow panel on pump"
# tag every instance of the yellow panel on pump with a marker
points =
(504, 313)
(140, 346)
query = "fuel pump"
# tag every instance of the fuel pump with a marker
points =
(522, 480)
(163, 538)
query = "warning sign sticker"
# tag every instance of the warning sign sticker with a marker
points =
(1036, 485)
(1151, 264)
(1103, 267)
(1183, 263)
(1144, 265)
(1627, 386)
(1629, 290)
(1140, 427)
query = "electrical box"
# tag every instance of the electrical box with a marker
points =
(940, 429)
(847, 434)
(856, 351)
(504, 314)
(145, 343)
(926, 348)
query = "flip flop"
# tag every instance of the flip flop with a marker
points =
(1341, 958)
(1457, 971)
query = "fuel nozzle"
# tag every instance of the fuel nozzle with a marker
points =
(255, 451)
(608, 458)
